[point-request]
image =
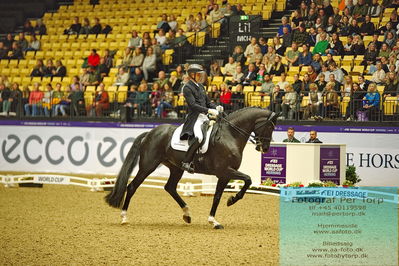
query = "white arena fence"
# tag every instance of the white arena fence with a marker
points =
(95, 184)
(187, 188)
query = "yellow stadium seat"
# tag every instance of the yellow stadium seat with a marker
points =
(344, 104)
(112, 91)
(390, 105)
(357, 70)
(122, 94)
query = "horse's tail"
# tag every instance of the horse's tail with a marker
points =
(115, 197)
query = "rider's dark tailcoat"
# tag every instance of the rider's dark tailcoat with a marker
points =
(197, 102)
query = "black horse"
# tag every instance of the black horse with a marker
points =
(222, 159)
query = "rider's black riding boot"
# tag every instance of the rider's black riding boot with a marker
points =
(187, 162)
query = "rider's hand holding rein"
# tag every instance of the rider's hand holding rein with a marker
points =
(213, 113)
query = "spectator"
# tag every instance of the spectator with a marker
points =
(385, 51)
(311, 19)
(267, 85)
(378, 76)
(320, 82)
(339, 75)
(335, 45)
(283, 83)
(363, 84)
(137, 77)
(101, 102)
(239, 11)
(278, 47)
(93, 78)
(162, 79)
(260, 74)
(97, 28)
(276, 99)
(321, 46)
(135, 40)
(76, 82)
(39, 70)
(127, 58)
(390, 39)
(370, 56)
(74, 28)
(146, 44)
(391, 85)
(269, 56)
(296, 19)
(191, 25)
(360, 9)
(284, 24)
(300, 35)
(160, 37)
(315, 104)
(256, 56)
(312, 37)
(85, 28)
(172, 22)
(263, 45)
(337, 17)
(367, 27)
(336, 84)
(225, 97)
(163, 24)
(290, 136)
(347, 87)
(48, 72)
(33, 107)
(311, 73)
(355, 103)
(237, 98)
(303, 10)
(93, 59)
(371, 102)
(278, 68)
(287, 38)
(166, 100)
(4, 99)
(331, 27)
(313, 137)
(60, 69)
(374, 9)
(9, 41)
(331, 101)
(122, 78)
(293, 55)
(317, 63)
(230, 67)
(250, 50)
(40, 28)
(210, 6)
(289, 104)
(34, 44)
(297, 84)
(3, 51)
(15, 100)
(76, 101)
(57, 101)
(238, 76)
(149, 63)
(108, 59)
(215, 69)
(214, 94)
(215, 15)
(249, 75)
(22, 42)
(305, 85)
(46, 100)
(135, 60)
(103, 69)
(27, 28)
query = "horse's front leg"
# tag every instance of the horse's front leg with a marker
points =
(221, 185)
(234, 174)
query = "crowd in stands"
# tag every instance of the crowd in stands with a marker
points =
(307, 71)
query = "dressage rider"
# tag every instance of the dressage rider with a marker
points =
(197, 103)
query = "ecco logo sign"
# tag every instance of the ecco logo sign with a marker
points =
(104, 149)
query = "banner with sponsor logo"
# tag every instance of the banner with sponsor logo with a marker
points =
(100, 148)
(274, 164)
(329, 164)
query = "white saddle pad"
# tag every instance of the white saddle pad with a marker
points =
(182, 145)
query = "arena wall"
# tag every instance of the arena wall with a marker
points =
(100, 148)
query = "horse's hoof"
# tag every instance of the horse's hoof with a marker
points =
(218, 226)
(230, 201)
(124, 222)
(187, 219)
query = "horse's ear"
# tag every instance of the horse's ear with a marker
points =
(274, 116)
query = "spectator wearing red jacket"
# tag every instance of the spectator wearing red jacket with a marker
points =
(93, 59)
(225, 96)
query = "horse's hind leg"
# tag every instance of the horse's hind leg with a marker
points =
(145, 169)
(234, 174)
(174, 178)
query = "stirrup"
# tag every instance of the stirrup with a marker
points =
(188, 167)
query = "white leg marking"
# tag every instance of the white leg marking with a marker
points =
(124, 217)
(213, 221)
(186, 211)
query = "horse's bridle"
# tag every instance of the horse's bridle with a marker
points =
(258, 141)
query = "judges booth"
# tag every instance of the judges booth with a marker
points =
(286, 163)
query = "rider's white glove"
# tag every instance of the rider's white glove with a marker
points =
(220, 108)
(213, 113)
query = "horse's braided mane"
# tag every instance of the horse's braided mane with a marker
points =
(238, 112)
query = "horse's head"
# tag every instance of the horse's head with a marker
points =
(264, 127)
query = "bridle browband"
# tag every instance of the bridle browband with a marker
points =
(258, 141)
